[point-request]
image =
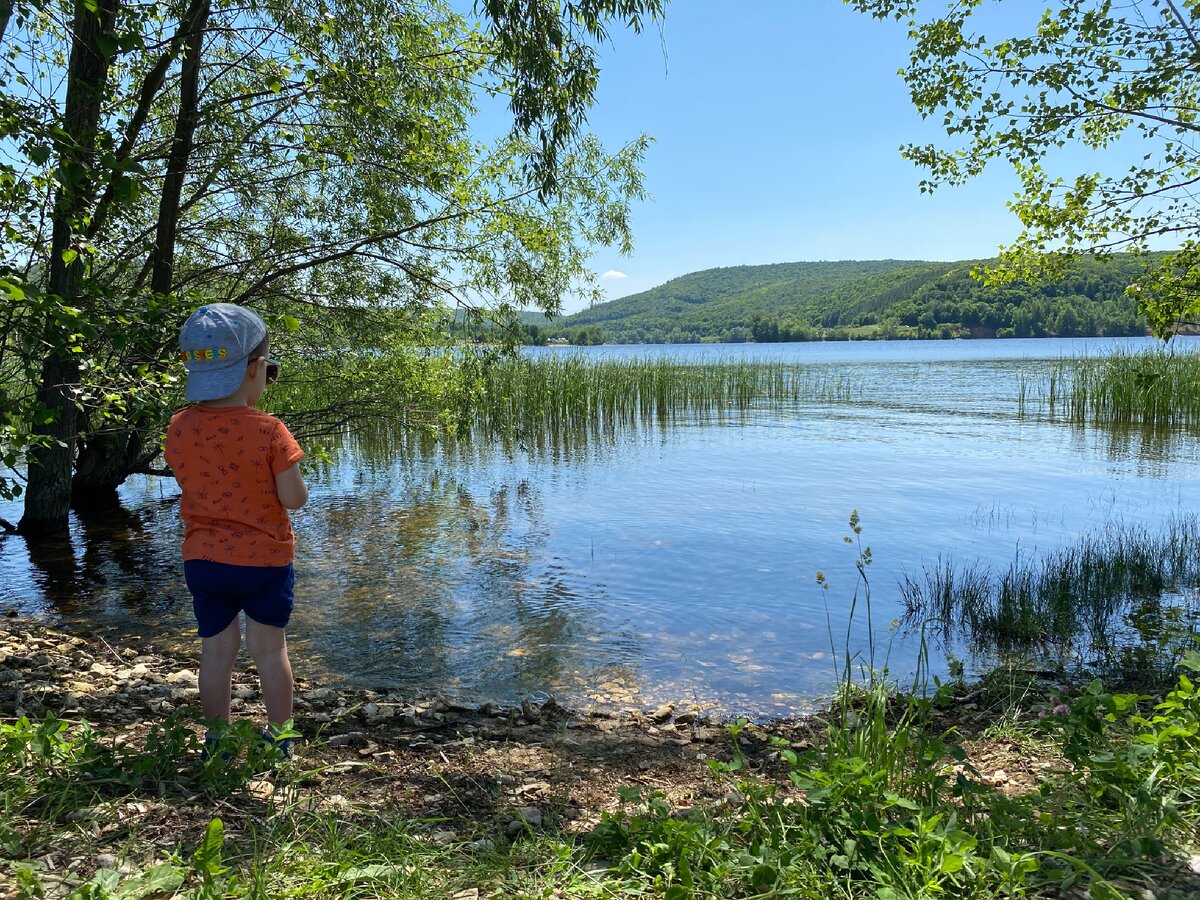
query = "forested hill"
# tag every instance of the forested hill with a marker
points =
(863, 299)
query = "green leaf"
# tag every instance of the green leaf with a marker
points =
(70, 255)
(125, 189)
(952, 863)
(164, 878)
(372, 872)
(291, 323)
(207, 858)
(108, 44)
(11, 290)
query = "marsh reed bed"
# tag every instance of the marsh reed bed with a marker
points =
(545, 403)
(1096, 602)
(564, 396)
(1159, 390)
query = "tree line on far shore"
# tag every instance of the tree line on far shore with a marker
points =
(872, 300)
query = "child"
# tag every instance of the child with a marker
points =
(237, 468)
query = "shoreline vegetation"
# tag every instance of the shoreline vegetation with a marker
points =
(561, 401)
(1011, 786)
(1122, 603)
(1015, 784)
(554, 396)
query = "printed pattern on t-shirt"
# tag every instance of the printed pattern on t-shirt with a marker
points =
(225, 461)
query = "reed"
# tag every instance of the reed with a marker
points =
(1159, 389)
(562, 397)
(1091, 602)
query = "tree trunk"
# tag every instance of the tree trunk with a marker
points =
(48, 495)
(6, 11)
(107, 458)
(163, 270)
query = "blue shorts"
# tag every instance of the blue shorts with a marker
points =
(220, 591)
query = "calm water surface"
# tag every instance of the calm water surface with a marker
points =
(662, 564)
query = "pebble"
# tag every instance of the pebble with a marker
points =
(663, 712)
(527, 817)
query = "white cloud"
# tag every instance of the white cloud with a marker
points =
(613, 275)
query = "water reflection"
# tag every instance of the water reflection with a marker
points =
(433, 586)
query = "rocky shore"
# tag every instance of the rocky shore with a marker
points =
(461, 777)
(477, 769)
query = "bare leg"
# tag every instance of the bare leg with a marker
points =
(217, 656)
(268, 647)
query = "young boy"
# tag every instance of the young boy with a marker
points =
(239, 473)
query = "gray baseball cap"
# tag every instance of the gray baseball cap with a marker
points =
(215, 344)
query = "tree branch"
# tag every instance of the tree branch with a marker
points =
(368, 241)
(150, 87)
(1184, 24)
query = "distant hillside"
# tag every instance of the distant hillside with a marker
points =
(862, 299)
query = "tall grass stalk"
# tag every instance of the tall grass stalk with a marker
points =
(545, 404)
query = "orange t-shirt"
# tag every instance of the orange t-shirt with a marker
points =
(225, 461)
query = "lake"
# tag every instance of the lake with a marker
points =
(666, 563)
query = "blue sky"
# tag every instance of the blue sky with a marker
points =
(777, 127)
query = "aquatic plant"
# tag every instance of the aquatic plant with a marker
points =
(1094, 603)
(544, 403)
(557, 397)
(1157, 389)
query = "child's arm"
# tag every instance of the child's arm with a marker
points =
(290, 487)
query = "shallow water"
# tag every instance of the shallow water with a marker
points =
(661, 564)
